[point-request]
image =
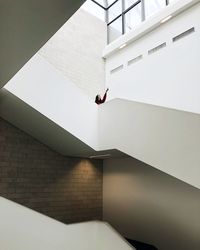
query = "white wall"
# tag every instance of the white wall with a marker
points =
(169, 77)
(22, 229)
(147, 205)
(76, 49)
(166, 139)
(45, 89)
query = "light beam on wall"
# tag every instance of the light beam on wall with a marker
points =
(166, 19)
(99, 156)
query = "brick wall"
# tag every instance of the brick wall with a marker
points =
(67, 189)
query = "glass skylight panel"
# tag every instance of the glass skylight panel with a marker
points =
(110, 2)
(115, 29)
(114, 11)
(94, 9)
(128, 3)
(172, 1)
(102, 2)
(133, 18)
(153, 6)
(123, 16)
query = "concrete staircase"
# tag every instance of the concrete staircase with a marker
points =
(62, 117)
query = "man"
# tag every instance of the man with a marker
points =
(98, 99)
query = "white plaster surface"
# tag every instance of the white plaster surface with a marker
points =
(45, 89)
(165, 138)
(76, 51)
(168, 77)
(24, 229)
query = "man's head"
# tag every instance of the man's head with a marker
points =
(98, 98)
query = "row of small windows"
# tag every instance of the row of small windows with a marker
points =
(154, 50)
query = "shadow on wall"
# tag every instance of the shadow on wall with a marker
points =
(148, 205)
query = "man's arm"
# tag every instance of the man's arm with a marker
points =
(105, 96)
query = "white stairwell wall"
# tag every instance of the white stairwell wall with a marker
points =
(166, 139)
(45, 89)
(24, 229)
(61, 82)
(150, 206)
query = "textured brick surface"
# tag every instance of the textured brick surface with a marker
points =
(67, 189)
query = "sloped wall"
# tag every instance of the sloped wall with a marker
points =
(166, 139)
(145, 204)
(26, 26)
(67, 189)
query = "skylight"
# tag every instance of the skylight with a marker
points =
(123, 16)
(94, 9)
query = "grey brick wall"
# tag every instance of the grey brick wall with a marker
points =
(67, 189)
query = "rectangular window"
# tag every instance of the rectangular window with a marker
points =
(110, 2)
(133, 17)
(184, 34)
(116, 69)
(157, 48)
(94, 9)
(128, 3)
(134, 60)
(115, 29)
(153, 6)
(114, 11)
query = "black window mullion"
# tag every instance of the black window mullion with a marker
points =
(125, 11)
(132, 6)
(99, 4)
(114, 19)
(123, 16)
(112, 4)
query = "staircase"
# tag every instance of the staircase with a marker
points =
(72, 124)
(42, 102)
(19, 231)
